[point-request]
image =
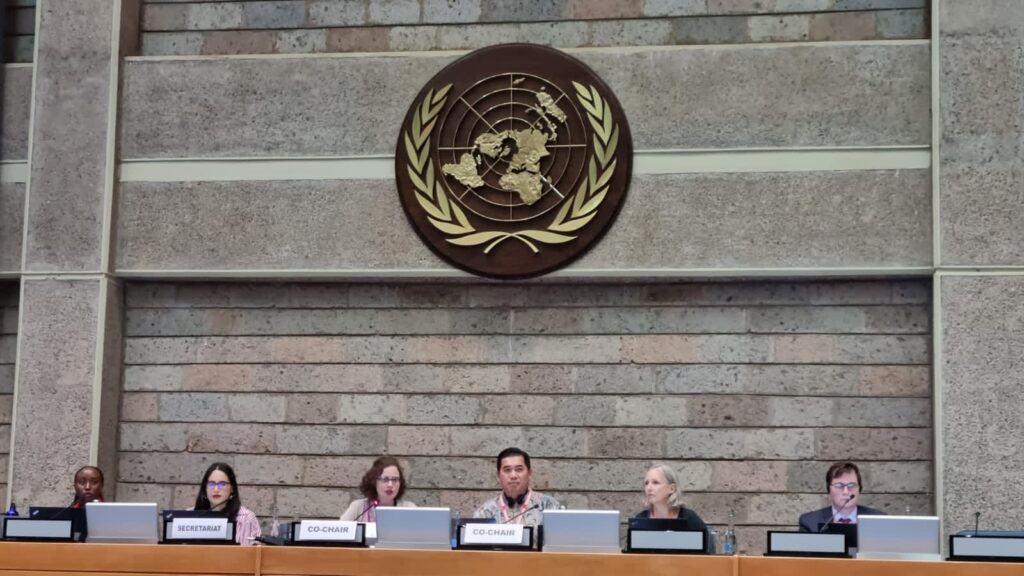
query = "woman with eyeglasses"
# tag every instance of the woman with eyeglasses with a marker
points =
(382, 485)
(218, 492)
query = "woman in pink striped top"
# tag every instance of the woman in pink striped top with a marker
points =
(218, 492)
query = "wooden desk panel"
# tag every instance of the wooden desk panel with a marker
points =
(363, 562)
(149, 559)
(31, 559)
(761, 566)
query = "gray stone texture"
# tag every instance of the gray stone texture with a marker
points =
(215, 15)
(105, 430)
(394, 12)
(335, 13)
(325, 233)
(451, 11)
(674, 7)
(982, 122)
(172, 44)
(17, 100)
(981, 401)
(56, 376)
(12, 214)
(851, 100)
(677, 221)
(69, 137)
(301, 41)
(722, 220)
(274, 14)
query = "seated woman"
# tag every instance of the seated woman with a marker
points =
(663, 498)
(218, 492)
(382, 485)
(88, 486)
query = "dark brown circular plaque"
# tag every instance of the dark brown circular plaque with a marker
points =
(513, 161)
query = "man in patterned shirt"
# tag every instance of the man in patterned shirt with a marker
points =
(517, 503)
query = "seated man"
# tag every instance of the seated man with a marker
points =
(517, 503)
(88, 486)
(843, 484)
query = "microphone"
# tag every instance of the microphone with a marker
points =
(371, 505)
(522, 513)
(977, 518)
(73, 505)
(841, 508)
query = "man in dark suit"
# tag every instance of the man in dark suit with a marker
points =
(843, 484)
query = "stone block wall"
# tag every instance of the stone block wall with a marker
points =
(750, 390)
(8, 344)
(305, 26)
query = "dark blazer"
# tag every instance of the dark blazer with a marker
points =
(809, 522)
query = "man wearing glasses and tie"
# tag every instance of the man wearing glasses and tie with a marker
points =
(843, 484)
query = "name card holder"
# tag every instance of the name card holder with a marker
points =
(781, 543)
(666, 541)
(989, 547)
(34, 529)
(477, 536)
(328, 533)
(199, 530)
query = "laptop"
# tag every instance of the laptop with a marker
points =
(122, 522)
(899, 537)
(75, 515)
(591, 531)
(415, 528)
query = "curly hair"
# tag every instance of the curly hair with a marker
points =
(368, 487)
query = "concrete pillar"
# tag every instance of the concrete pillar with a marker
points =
(69, 332)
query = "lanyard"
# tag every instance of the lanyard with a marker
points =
(521, 518)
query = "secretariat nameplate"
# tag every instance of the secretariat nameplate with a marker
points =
(513, 161)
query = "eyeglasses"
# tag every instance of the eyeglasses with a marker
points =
(851, 486)
(218, 485)
(389, 480)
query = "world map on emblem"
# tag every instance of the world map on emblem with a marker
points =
(513, 161)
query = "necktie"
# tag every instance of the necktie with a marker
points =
(843, 520)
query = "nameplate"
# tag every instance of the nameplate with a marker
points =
(198, 529)
(327, 531)
(667, 540)
(997, 548)
(492, 534)
(805, 544)
(35, 529)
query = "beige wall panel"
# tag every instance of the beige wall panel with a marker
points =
(12, 214)
(17, 99)
(982, 378)
(266, 225)
(839, 219)
(56, 372)
(697, 97)
(982, 122)
(71, 101)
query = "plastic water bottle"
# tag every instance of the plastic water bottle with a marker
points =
(455, 531)
(729, 539)
(12, 511)
(275, 527)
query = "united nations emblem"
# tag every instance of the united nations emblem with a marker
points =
(513, 161)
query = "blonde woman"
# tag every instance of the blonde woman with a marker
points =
(664, 499)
